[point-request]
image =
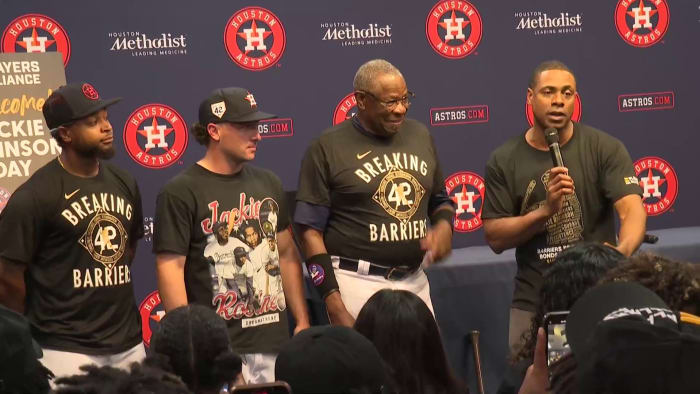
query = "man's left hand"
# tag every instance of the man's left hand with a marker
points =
(438, 241)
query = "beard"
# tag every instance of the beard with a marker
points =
(93, 151)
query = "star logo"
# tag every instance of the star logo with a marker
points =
(35, 33)
(642, 24)
(152, 312)
(35, 43)
(155, 136)
(659, 184)
(445, 29)
(254, 38)
(466, 190)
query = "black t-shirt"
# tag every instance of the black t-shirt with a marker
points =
(379, 190)
(226, 226)
(76, 237)
(516, 179)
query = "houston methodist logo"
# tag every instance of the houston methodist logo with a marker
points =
(659, 184)
(346, 108)
(641, 24)
(36, 33)
(453, 28)
(576, 116)
(151, 312)
(155, 136)
(466, 189)
(254, 38)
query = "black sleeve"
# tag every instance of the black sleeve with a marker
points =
(172, 224)
(498, 202)
(283, 220)
(313, 177)
(439, 195)
(137, 222)
(20, 227)
(617, 171)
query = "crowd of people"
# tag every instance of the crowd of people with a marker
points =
(372, 213)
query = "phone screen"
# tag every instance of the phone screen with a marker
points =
(557, 345)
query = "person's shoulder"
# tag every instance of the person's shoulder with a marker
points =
(43, 179)
(594, 133)
(186, 179)
(118, 172)
(332, 133)
(415, 126)
(260, 172)
(508, 148)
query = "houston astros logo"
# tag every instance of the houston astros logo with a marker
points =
(105, 239)
(254, 38)
(453, 28)
(346, 109)
(90, 92)
(151, 311)
(659, 184)
(155, 136)
(575, 116)
(466, 189)
(36, 33)
(642, 23)
(399, 193)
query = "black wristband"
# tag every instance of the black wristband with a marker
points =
(320, 269)
(447, 215)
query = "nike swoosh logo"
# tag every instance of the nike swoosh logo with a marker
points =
(360, 156)
(68, 196)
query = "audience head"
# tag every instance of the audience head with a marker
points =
(195, 344)
(574, 271)
(625, 339)
(20, 369)
(330, 360)
(404, 331)
(108, 380)
(677, 283)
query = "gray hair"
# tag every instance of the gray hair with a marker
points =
(368, 72)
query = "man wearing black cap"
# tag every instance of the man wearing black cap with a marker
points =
(68, 239)
(222, 187)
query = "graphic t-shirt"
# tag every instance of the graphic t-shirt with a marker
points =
(379, 191)
(76, 236)
(516, 180)
(226, 226)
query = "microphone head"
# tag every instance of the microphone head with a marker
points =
(551, 135)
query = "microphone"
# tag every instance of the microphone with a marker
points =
(552, 137)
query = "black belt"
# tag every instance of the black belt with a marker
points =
(390, 273)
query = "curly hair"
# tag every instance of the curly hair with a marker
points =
(110, 380)
(574, 271)
(194, 344)
(677, 283)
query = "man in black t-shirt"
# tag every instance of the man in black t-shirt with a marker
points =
(69, 235)
(541, 210)
(215, 211)
(367, 188)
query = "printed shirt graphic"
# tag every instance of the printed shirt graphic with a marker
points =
(226, 226)
(379, 190)
(74, 235)
(516, 178)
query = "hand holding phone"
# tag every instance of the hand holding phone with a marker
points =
(555, 327)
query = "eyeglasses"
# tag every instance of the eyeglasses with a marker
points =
(392, 104)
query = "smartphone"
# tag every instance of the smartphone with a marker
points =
(263, 388)
(555, 326)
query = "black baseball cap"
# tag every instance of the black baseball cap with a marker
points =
(232, 104)
(72, 102)
(330, 360)
(625, 339)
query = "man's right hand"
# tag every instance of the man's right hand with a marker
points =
(337, 313)
(560, 185)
